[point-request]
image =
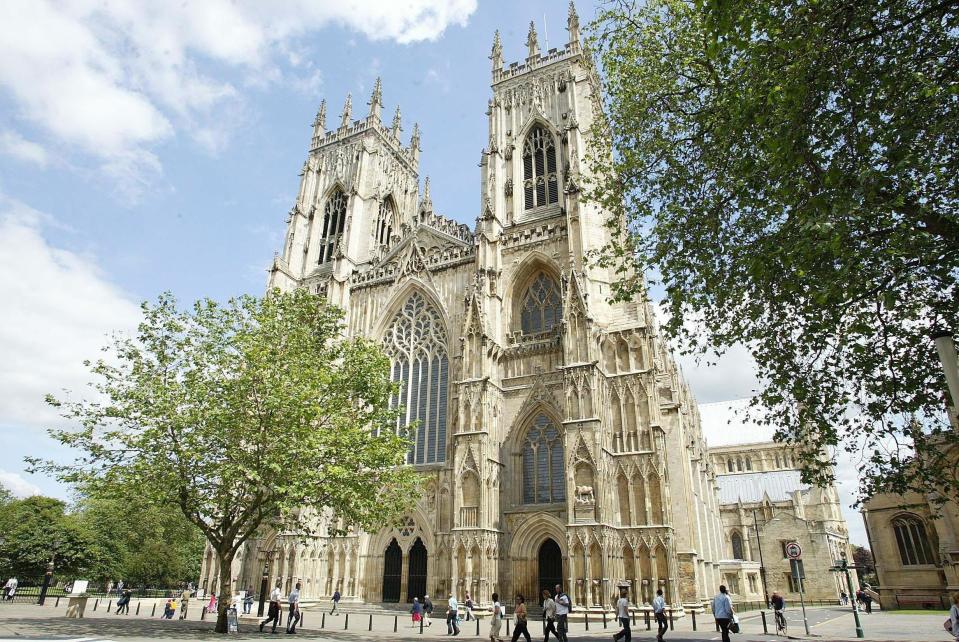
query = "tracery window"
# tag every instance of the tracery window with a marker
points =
(384, 222)
(542, 307)
(543, 463)
(334, 218)
(416, 343)
(540, 183)
(737, 542)
(912, 540)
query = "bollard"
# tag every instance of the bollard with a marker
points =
(96, 604)
(154, 609)
(634, 617)
(109, 606)
(477, 627)
(371, 623)
(346, 622)
(694, 618)
(507, 626)
(604, 618)
(58, 601)
(765, 628)
(585, 617)
(647, 619)
(671, 619)
(421, 623)
(138, 608)
(395, 622)
(202, 612)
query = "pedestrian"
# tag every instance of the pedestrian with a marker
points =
(452, 613)
(622, 612)
(184, 602)
(549, 614)
(496, 621)
(120, 588)
(519, 612)
(211, 606)
(336, 601)
(954, 616)
(427, 610)
(843, 598)
(417, 612)
(469, 607)
(659, 612)
(123, 601)
(248, 600)
(273, 615)
(10, 588)
(723, 611)
(563, 603)
(294, 600)
(168, 609)
(867, 602)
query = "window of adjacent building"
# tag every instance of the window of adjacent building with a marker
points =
(782, 545)
(729, 465)
(791, 582)
(540, 183)
(416, 343)
(384, 222)
(753, 584)
(334, 218)
(542, 307)
(543, 463)
(737, 542)
(749, 463)
(912, 540)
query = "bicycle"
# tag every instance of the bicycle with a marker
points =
(780, 623)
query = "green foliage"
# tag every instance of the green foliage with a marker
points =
(257, 413)
(865, 565)
(37, 530)
(789, 171)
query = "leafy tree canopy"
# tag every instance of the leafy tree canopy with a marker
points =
(789, 172)
(257, 413)
(38, 530)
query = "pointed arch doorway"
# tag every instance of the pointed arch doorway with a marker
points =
(416, 584)
(392, 572)
(550, 566)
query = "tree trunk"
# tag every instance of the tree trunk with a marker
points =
(225, 596)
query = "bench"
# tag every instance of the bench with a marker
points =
(907, 600)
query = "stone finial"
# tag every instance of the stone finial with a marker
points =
(572, 22)
(415, 138)
(531, 41)
(376, 100)
(497, 54)
(347, 116)
(397, 127)
(426, 203)
(320, 120)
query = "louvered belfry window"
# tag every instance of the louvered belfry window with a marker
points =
(542, 307)
(334, 218)
(543, 463)
(416, 344)
(384, 224)
(540, 182)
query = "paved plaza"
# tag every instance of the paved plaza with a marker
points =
(32, 622)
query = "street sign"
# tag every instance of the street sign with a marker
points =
(793, 550)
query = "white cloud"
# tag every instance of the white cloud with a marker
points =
(58, 309)
(16, 484)
(15, 145)
(115, 79)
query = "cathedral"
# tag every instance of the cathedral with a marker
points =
(558, 442)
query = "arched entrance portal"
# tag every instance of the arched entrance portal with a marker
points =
(550, 566)
(416, 586)
(392, 572)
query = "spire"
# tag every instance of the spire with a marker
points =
(497, 54)
(532, 42)
(319, 123)
(397, 119)
(376, 100)
(426, 203)
(572, 23)
(347, 117)
(415, 143)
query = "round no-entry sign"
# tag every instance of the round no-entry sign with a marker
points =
(793, 550)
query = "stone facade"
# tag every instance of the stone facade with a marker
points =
(558, 440)
(760, 492)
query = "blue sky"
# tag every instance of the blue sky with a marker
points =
(150, 146)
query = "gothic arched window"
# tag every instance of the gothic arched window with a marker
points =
(540, 183)
(543, 477)
(729, 465)
(749, 463)
(416, 344)
(334, 218)
(737, 542)
(912, 540)
(384, 222)
(541, 305)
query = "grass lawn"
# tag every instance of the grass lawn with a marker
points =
(920, 612)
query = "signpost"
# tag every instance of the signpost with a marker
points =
(842, 566)
(794, 553)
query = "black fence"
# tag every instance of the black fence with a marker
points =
(28, 590)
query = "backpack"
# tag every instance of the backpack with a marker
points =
(570, 607)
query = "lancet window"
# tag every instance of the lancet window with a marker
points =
(542, 307)
(334, 218)
(543, 463)
(540, 183)
(416, 343)
(912, 540)
(384, 222)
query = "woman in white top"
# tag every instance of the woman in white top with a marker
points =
(497, 620)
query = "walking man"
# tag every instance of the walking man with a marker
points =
(336, 601)
(184, 602)
(659, 612)
(294, 617)
(723, 611)
(452, 612)
(867, 601)
(562, 613)
(428, 610)
(622, 612)
(549, 613)
(10, 588)
(273, 615)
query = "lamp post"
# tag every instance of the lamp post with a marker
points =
(843, 566)
(263, 587)
(946, 347)
(762, 567)
(46, 582)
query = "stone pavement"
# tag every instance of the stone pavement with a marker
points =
(32, 622)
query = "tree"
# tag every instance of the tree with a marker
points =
(789, 173)
(865, 566)
(37, 530)
(253, 414)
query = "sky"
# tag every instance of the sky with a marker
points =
(154, 146)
